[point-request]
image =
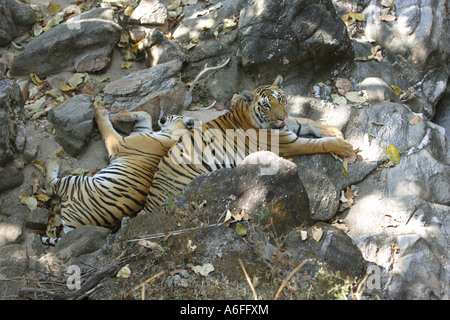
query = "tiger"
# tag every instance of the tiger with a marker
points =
(120, 189)
(207, 147)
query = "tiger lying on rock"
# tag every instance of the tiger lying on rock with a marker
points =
(120, 189)
(227, 140)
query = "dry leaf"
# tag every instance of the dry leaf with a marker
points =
(125, 272)
(191, 246)
(356, 97)
(42, 197)
(150, 245)
(241, 230)
(40, 166)
(204, 270)
(126, 65)
(36, 80)
(345, 169)
(415, 120)
(317, 233)
(53, 9)
(393, 155)
(304, 235)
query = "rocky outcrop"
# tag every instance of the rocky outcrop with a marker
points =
(82, 44)
(73, 121)
(15, 18)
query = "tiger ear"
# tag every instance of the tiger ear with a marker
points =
(278, 81)
(247, 96)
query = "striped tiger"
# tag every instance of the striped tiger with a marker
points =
(227, 140)
(120, 189)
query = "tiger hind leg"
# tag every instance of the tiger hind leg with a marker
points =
(110, 136)
(51, 177)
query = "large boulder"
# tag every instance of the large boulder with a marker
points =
(151, 90)
(73, 121)
(82, 44)
(15, 18)
(12, 120)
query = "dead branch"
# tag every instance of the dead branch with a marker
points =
(188, 99)
(287, 279)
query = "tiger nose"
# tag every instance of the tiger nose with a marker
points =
(162, 120)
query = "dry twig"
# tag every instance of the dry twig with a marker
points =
(287, 279)
(255, 296)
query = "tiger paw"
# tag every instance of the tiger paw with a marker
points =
(342, 147)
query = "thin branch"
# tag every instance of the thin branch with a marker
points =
(188, 99)
(255, 296)
(288, 277)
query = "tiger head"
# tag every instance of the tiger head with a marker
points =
(268, 104)
(170, 122)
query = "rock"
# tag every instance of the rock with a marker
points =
(10, 177)
(418, 39)
(11, 231)
(73, 120)
(82, 240)
(305, 30)
(151, 90)
(13, 260)
(377, 90)
(159, 49)
(12, 120)
(275, 198)
(82, 44)
(150, 12)
(331, 246)
(15, 18)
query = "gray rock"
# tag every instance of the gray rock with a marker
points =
(278, 199)
(333, 247)
(377, 90)
(13, 260)
(305, 30)
(10, 177)
(149, 12)
(419, 40)
(15, 18)
(151, 90)
(80, 241)
(11, 231)
(74, 122)
(12, 120)
(82, 44)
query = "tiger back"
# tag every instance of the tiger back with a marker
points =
(258, 121)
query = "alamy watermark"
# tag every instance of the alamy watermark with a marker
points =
(213, 149)
(74, 277)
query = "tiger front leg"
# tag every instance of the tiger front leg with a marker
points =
(303, 126)
(290, 145)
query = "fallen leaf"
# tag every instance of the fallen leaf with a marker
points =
(65, 87)
(357, 16)
(129, 55)
(125, 272)
(241, 230)
(206, 25)
(229, 24)
(36, 80)
(42, 197)
(339, 100)
(126, 65)
(393, 154)
(40, 166)
(191, 246)
(150, 245)
(204, 270)
(356, 97)
(304, 235)
(53, 9)
(345, 169)
(31, 203)
(128, 11)
(316, 233)
(397, 90)
(415, 120)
